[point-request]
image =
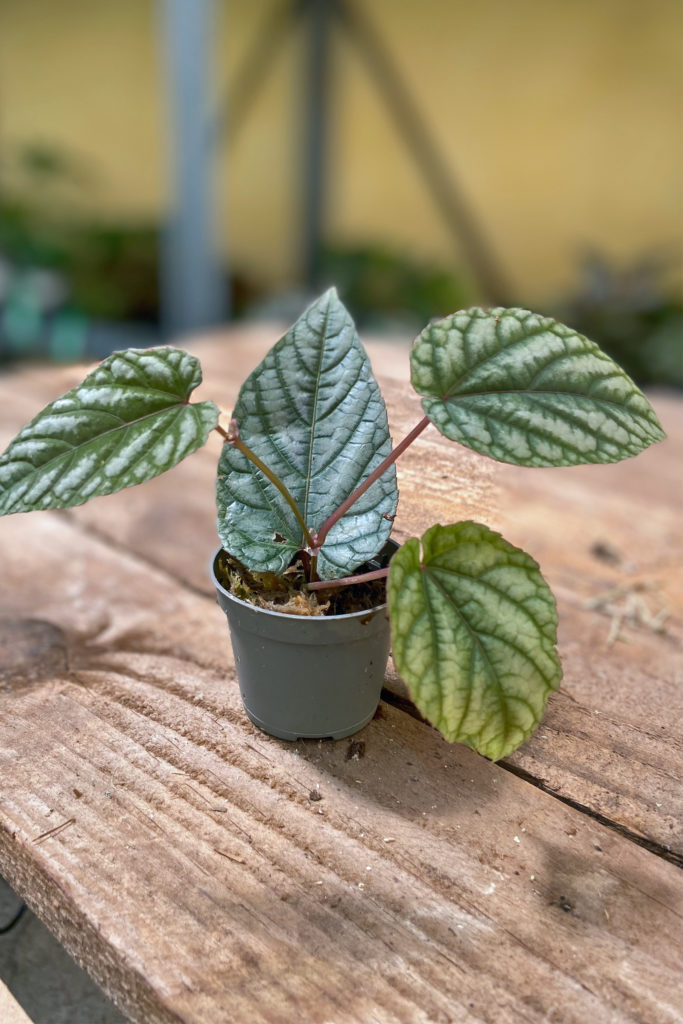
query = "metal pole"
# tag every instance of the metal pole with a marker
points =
(257, 63)
(317, 104)
(192, 295)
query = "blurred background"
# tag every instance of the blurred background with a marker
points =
(172, 165)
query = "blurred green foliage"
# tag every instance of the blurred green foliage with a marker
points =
(629, 312)
(389, 290)
(632, 314)
(111, 269)
(61, 268)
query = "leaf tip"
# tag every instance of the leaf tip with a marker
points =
(330, 297)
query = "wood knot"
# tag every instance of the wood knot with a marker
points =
(31, 650)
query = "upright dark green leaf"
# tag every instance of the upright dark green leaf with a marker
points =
(312, 412)
(525, 389)
(129, 421)
(473, 633)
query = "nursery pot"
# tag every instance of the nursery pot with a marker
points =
(308, 677)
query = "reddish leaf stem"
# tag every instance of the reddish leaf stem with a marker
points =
(347, 581)
(369, 481)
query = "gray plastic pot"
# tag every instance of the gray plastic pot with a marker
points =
(308, 677)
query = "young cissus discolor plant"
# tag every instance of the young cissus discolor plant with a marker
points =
(307, 475)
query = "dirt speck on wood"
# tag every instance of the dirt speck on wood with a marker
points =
(355, 750)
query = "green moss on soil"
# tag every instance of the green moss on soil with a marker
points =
(287, 593)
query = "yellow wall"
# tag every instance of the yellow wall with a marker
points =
(562, 121)
(84, 74)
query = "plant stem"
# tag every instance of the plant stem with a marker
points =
(347, 581)
(369, 481)
(239, 444)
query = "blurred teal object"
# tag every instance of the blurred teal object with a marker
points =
(21, 324)
(69, 338)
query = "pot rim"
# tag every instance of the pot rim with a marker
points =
(287, 615)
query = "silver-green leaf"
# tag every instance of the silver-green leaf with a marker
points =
(128, 421)
(313, 413)
(525, 389)
(474, 628)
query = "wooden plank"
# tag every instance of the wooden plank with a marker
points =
(177, 853)
(626, 768)
(153, 521)
(623, 775)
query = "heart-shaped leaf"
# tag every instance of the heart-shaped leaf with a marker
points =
(526, 389)
(473, 632)
(129, 421)
(313, 413)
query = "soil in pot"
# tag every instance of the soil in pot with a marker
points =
(286, 594)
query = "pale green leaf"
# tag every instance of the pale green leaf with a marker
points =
(129, 421)
(526, 389)
(473, 633)
(313, 413)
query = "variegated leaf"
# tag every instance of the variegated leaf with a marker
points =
(129, 421)
(526, 389)
(313, 413)
(474, 628)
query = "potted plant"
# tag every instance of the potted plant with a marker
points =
(307, 495)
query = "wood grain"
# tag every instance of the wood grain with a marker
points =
(197, 864)
(626, 769)
(185, 859)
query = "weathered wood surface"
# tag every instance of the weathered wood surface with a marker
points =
(177, 852)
